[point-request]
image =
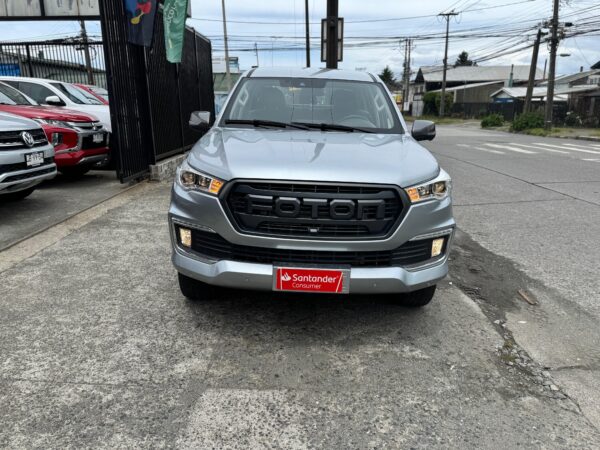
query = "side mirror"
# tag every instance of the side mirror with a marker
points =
(423, 130)
(54, 100)
(200, 120)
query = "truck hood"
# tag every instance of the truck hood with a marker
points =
(313, 156)
(47, 112)
(101, 112)
(10, 122)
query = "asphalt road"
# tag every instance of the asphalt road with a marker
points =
(99, 349)
(52, 202)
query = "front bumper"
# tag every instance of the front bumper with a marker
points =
(18, 179)
(204, 212)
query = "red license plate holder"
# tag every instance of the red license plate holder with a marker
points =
(309, 279)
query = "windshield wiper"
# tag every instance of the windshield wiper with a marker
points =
(265, 123)
(333, 127)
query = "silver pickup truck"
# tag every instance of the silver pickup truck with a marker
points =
(310, 181)
(26, 157)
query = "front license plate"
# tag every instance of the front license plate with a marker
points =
(34, 159)
(332, 281)
(97, 138)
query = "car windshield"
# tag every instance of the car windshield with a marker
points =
(76, 95)
(348, 104)
(100, 91)
(10, 96)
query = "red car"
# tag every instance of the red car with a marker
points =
(79, 140)
(98, 92)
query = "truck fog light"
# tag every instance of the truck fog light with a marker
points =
(436, 247)
(185, 237)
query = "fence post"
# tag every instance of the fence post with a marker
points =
(29, 65)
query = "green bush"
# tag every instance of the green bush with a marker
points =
(573, 120)
(432, 101)
(527, 121)
(492, 120)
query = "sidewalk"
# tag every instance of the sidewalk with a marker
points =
(99, 349)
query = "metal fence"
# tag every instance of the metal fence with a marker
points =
(63, 60)
(151, 99)
(508, 110)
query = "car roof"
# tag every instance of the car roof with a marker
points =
(30, 79)
(310, 72)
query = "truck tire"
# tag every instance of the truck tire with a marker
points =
(194, 289)
(418, 299)
(15, 196)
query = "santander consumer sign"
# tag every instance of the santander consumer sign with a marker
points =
(309, 280)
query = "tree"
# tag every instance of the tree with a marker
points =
(387, 76)
(463, 60)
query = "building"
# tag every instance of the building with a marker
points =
(429, 78)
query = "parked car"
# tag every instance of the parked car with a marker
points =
(80, 141)
(59, 93)
(26, 157)
(310, 181)
(99, 92)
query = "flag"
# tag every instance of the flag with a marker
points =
(174, 14)
(140, 21)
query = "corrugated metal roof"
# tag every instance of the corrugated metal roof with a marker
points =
(433, 74)
(565, 79)
(540, 92)
(470, 86)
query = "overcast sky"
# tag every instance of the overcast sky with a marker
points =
(280, 23)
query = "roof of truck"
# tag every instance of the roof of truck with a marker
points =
(311, 72)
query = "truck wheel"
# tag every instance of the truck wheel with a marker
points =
(15, 196)
(194, 289)
(74, 172)
(418, 299)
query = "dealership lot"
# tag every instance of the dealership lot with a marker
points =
(99, 348)
(53, 202)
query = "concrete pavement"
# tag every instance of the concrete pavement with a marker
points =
(99, 349)
(529, 210)
(54, 201)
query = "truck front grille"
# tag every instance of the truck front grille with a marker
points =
(12, 140)
(313, 211)
(213, 246)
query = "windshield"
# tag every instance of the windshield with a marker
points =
(76, 95)
(363, 105)
(100, 91)
(10, 96)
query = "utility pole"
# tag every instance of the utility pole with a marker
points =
(227, 70)
(332, 34)
(446, 16)
(532, 72)
(307, 33)
(406, 75)
(552, 68)
(86, 53)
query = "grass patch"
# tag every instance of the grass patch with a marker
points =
(536, 132)
(439, 120)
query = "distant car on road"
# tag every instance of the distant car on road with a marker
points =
(97, 91)
(80, 140)
(26, 157)
(59, 93)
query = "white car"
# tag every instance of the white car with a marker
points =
(59, 93)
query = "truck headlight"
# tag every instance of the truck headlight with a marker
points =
(438, 188)
(191, 179)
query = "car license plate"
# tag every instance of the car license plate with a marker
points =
(34, 159)
(333, 281)
(98, 138)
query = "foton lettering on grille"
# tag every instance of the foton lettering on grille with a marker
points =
(314, 211)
